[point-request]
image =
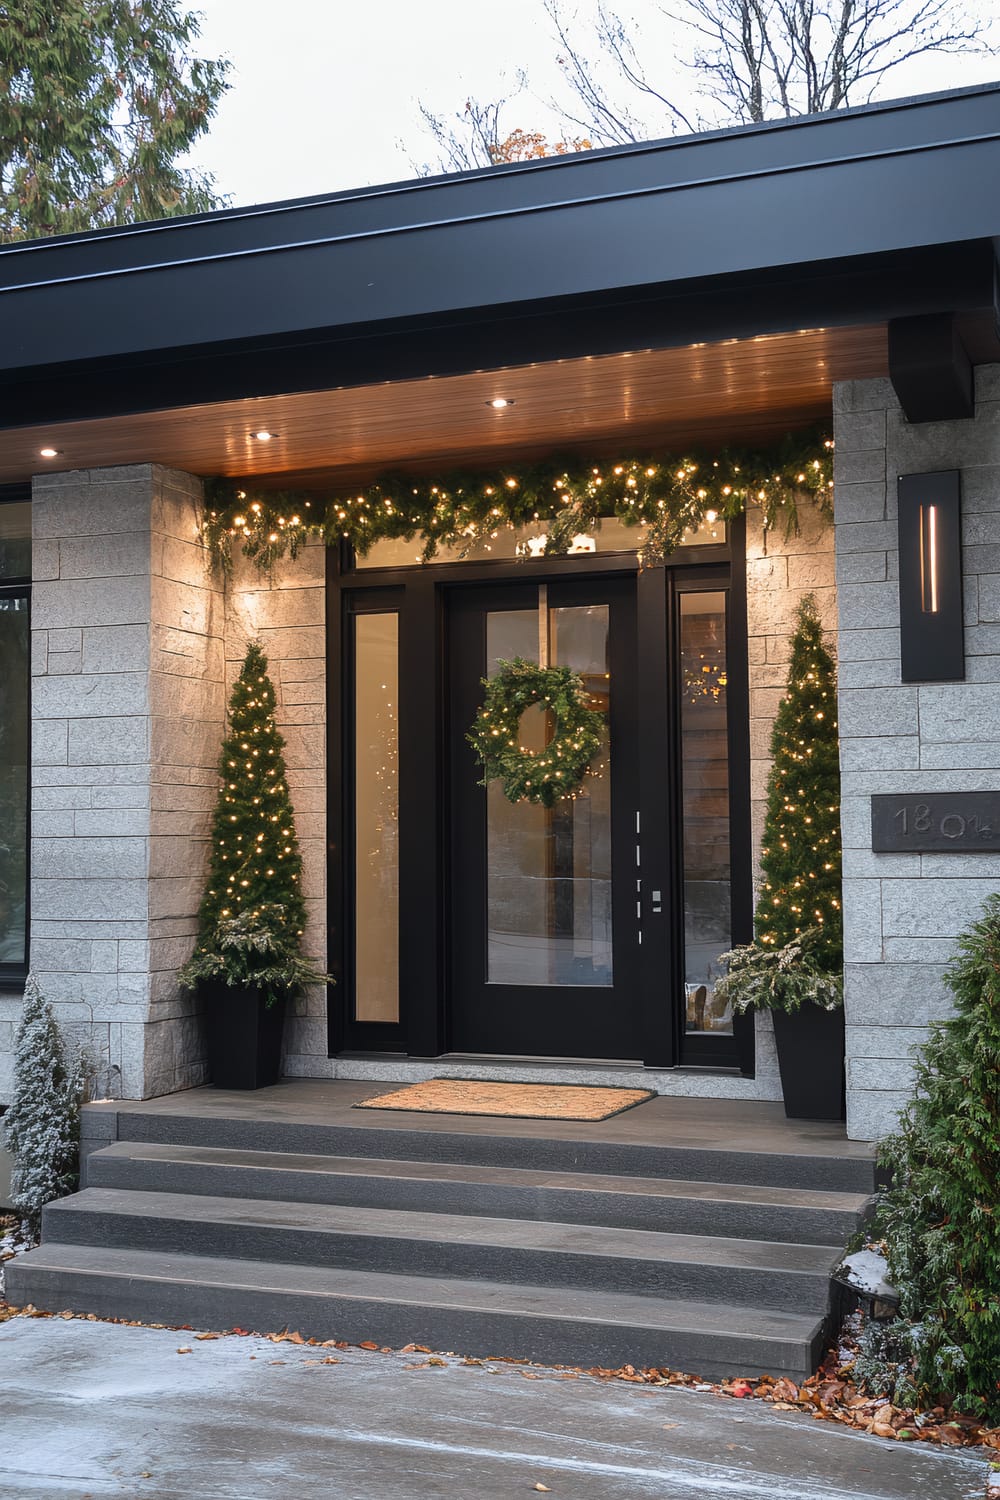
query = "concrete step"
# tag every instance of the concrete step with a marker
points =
(460, 1246)
(791, 1215)
(476, 1318)
(431, 1140)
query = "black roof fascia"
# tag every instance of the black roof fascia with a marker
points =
(841, 218)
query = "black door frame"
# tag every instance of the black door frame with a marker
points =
(418, 593)
(582, 1021)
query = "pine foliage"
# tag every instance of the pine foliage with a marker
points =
(785, 978)
(800, 857)
(252, 914)
(939, 1219)
(42, 1125)
(99, 101)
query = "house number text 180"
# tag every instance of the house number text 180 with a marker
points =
(935, 822)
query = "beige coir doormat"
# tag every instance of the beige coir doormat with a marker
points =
(518, 1101)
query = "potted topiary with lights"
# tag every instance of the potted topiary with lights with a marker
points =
(794, 966)
(248, 958)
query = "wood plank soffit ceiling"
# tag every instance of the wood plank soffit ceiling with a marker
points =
(736, 391)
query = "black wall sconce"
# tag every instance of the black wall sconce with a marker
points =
(931, 635)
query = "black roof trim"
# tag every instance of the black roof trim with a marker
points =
(692, 227)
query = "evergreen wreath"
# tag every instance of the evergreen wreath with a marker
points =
(547, 775)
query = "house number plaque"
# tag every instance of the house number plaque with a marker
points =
(936, 822)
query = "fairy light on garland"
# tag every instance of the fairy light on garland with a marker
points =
(801, 853)
(665, 497)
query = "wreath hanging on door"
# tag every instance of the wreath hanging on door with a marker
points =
(545, 775)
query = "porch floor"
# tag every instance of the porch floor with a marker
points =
(706, 1124)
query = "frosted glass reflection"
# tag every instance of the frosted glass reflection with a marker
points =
(705, 777)
(549, 869)
(376, 817)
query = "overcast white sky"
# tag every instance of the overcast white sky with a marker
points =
(324, 93)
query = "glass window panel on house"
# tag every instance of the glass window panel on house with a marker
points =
(376, 816)
(14, 777)
(15, 540)
(525, 542)
(705, 801)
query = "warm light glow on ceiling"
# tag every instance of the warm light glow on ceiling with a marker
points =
(263, 436)
(499, 402)
(49, 452)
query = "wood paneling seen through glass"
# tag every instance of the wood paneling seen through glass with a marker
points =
(705, 802)
(376, 817)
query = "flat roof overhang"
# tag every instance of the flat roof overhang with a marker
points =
(825, 224)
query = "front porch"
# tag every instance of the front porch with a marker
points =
(690, 1233)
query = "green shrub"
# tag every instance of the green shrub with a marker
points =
(939, 1219)
(42, 1125)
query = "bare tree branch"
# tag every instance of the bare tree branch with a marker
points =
(761, 59)
(750, 60)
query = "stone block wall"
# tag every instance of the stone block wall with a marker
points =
(135, 648)
(126, 711)
(902, 912)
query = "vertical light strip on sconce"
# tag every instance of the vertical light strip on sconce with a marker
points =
(928, 559)
(931, 635)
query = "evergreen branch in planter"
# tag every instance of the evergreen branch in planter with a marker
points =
(256, 949)
(783, 978)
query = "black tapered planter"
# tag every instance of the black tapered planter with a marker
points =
(810, 1046)
(244, 1035)
(746, 1047)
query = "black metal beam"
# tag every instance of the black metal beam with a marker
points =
(930, 368)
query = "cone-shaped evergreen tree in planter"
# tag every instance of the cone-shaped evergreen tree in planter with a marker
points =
(794, 967)
(800, 853)
(247, 960)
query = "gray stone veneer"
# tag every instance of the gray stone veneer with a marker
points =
(127, 697)
(902, 912)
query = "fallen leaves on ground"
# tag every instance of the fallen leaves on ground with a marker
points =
(829, 1395)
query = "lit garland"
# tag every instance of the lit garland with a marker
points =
(665, 497)
(546, 775)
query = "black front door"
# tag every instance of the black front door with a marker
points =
(543, 933)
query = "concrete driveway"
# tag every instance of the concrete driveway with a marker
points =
(89, 1410)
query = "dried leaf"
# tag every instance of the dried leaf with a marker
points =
(204, 1337)
(184, 1350)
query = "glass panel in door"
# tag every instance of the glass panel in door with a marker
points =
(549, 869)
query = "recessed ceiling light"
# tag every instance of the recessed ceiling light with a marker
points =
(263, 437)
(499, 402)
(49, 452)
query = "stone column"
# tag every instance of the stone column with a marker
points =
(903, 912)
(128, 708)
